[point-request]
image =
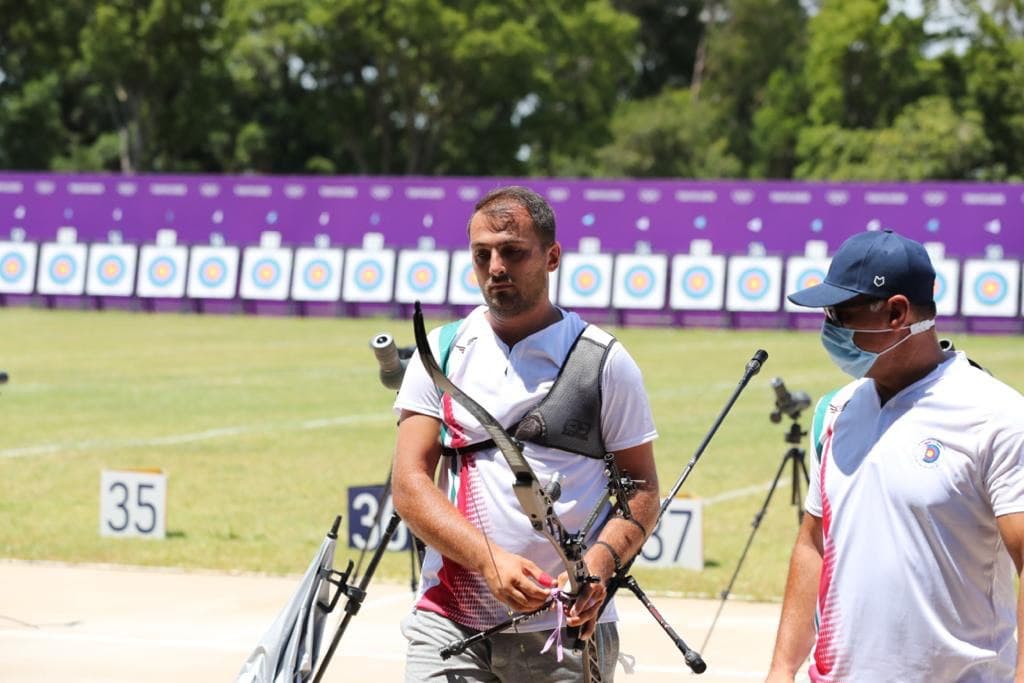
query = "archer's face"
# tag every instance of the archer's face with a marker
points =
(510, 263)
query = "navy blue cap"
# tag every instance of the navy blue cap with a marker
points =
(879, 264)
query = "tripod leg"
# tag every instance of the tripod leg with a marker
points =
(755, 524)
(800, 479)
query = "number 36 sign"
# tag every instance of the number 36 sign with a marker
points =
(133, 503)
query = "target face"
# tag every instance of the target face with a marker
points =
(810, 278)
(266, 273)
(12, 267)
(753, 283)
(162, 271)
(62, 269)
(585, 280)
(212, 271)
(317, 274)
(697, 282)
(111, 269)
(369, 275)
(468, 280)
(991, 288)
(639, 281)
(940, 288)
(422, 276)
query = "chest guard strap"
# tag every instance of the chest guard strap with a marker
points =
(569, 417)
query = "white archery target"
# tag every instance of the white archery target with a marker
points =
(422, 276)
(162, 271)
(463, 288)
(62, 269)
(640, 281)
(803, 272)
(754, 283)
(947, 285)
(111, 270)
(698, 283)
(990, 288)
(213, 272)
(369, 275)
(316, 275)
(266, 273)
(17, 267)
(585, 281)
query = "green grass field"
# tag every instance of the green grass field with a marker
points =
(261, 424)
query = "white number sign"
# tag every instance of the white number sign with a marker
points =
(678, 540)
(366, 520)
(133, 503)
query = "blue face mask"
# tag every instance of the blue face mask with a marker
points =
(852, 359)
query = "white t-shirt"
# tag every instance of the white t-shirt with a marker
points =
(508, 383)
(916, 584)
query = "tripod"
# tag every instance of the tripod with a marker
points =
(796, 457)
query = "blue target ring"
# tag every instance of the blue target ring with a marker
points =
(213, 271)
(991, 288)
(317, 274)
(421, 276)
(369, 275)
(639, 281)
(110, 269)
(12, 267)
(162, 271)
(753, 283)
(62, 269)
(697, 282)
(810, 278)
(585, 280)
(265, 273)
(468, 281)
(940, 287)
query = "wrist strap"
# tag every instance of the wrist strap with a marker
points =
(611, 550)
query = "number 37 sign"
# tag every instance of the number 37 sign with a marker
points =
(133, 503)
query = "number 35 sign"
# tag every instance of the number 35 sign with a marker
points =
(133, 503)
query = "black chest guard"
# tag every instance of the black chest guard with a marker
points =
(569, 417)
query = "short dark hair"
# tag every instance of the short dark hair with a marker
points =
(495, 205)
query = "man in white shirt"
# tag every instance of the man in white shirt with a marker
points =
(484, 560)
(904, 567)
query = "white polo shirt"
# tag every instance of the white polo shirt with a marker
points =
(508, 383)
(916, 583)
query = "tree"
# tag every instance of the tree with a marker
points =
(929, 140)
(670, 135)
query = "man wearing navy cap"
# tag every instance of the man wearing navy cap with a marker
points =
(903, 568)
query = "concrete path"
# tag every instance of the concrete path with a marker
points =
(104, 624)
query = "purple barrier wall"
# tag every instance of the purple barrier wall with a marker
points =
(667, 214)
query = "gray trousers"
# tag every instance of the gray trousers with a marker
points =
(503, 658)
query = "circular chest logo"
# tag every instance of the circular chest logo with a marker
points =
(928, 453)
